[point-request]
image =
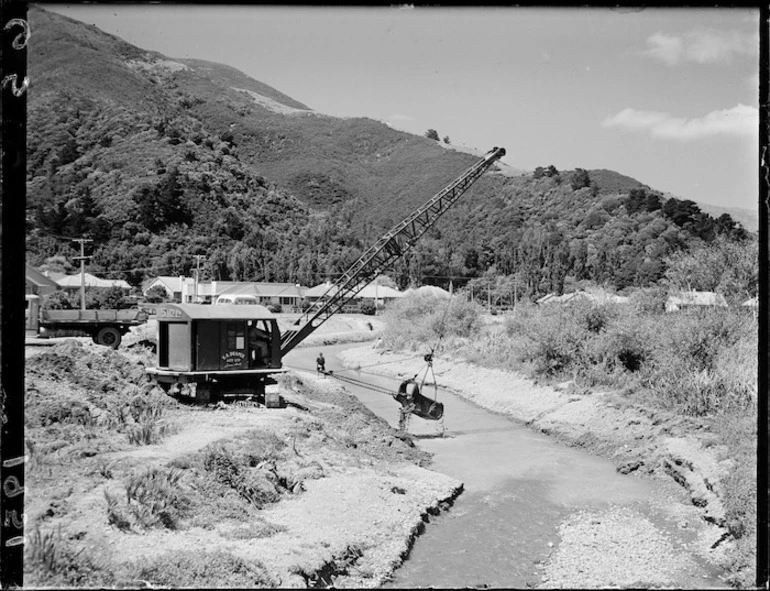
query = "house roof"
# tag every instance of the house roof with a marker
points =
(577, 296)
(233, 288)
(171, 283)
(37, 278)
(547, 298)
(285, 290)
(319, 290)
(370, 290)
(91, 281)
(54, 275)
(696, 298)
(259, 289)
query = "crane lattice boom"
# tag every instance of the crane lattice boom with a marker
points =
(385, 252)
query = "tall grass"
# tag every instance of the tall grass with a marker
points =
(696, 362)
(417, 321)
(154, 498)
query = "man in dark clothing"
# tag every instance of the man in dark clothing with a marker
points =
(259, 346)
(320, 364)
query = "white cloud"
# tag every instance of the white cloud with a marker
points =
(741, 120)
(702, 46)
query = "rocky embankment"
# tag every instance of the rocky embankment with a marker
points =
(641, 442)
(128, 487)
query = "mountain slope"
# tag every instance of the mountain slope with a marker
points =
(165, 159)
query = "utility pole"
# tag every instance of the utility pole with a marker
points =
(198, 258)
(82, 258)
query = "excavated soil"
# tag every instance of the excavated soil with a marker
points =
(127, 487)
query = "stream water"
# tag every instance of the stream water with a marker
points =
(518, 487)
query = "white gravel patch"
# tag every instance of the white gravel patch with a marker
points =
(614, 548)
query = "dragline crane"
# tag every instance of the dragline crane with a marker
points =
(231, 349)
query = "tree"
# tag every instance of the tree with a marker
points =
(580, 179)
(157, 294)
(446, 139)
(723, 265)
(432, 134)
(112, 298)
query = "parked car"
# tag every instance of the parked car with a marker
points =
(247, 300)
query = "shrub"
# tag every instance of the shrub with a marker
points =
(148, 431)
(416, 320)
(704, 362)
(198, 569)
(650, 300)
(251, 483)
(254, 530)
(155, 498)
(157, 294)
(55, 562)
(368, 308)
(739, 432)
(148, 427)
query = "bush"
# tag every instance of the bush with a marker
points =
(275, 308)
(368, 308)
(197, 569)
(157, 294)
(244, 470)
(148, 427)
(55, 562)
(649, 301)
(154, 498)
(59, 300)
(416, 320)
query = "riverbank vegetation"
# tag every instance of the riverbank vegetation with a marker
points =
(699, 363)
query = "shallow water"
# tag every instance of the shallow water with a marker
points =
(519, 486)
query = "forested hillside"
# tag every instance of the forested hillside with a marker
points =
(157, 160)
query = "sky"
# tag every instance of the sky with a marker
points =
(666, 96)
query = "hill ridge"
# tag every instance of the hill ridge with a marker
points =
(164, 160)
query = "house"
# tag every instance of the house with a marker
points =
(598, 297)
(694, 299)
(74, 282)
(379, 294)
(289, 295)
(548, 298)
(372, 292)
(38, 284)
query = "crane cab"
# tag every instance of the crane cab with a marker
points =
(224, 350)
